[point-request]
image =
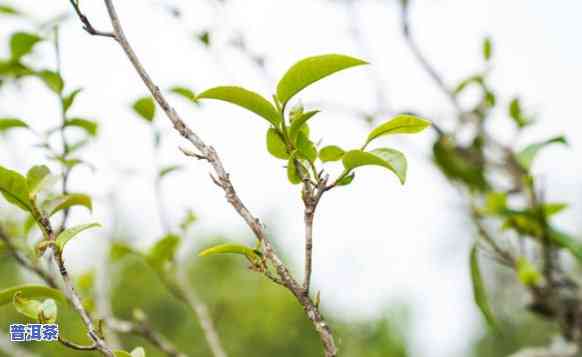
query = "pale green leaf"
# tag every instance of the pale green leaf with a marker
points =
(14, 188)
(292, 173)
(276, 145)
(526, 156)
(391, 159)
(331, 153)
(311, 70)
(400, 124)
(306, 147)
(48, 311)
(36, 179)
(138, 352)
(88, 126)
(299, 123)
(120, 353)
(31, 291)
(479, 292)
(145, 108)
(231, 249)
(64, 237)
(246, 99)
(527, 274)
(67, 201)
(27, 307)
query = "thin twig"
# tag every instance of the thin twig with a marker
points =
(87, 26)
(75, 346)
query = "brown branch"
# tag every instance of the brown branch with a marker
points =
(223, 180)
(87, 26)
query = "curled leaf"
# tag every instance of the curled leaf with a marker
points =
(391, 159)
(250, 253)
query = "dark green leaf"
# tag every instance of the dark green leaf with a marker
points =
(516, 113)
(65, 236)
(204, 38)
(63, 202)
(52, 80)
(391, 159)
(331, 153)
(11, 123)
(145, 107)
(299, 123)
(14, 188)
(306, 147)
(346, 180)
(22, 43)
(401, 124)
(31, 291)
(276, 145)
(245, 99)
(89, 126)
(526, 156)
(479, 293)
(311, 70)
(250, 253)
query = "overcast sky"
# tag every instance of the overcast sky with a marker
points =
(375, 242)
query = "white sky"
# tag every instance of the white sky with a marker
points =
(376, 242)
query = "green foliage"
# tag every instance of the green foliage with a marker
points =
(246, 99)
(527, 274)
(311, 70)
(292, 173)
(487, 48)
(331, 153)
(276, 144)
(306, 148)
(145, 108)
(251, 254)
(299, 124)
(526, 156)
(52, 80)
(45, 312)
(164, 171)
(69, 99)
(37, 178)
(391, 159)
(14, 188)
(163, 251)
(461, 164)
(30, 291)
(22, 43)
(185, 93)
(401, 124)
(8, 10)
(11, 123)
(479, 293)
(89, 126)
(63, 202)
(65, 236)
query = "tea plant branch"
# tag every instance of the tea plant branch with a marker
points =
(87, 26)
(222, 179)
(144, 329)
(75, 346)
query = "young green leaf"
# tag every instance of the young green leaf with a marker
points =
(331, 153)
(64, 237)
(527, 273)
(48, 311)
(8, 10)
(31, 291)
(346, 180)
(163, 251)
(516, 113)
(22, 43)
(246, 99)
(27, 307)
(14, 188)
(120, 353)
(52, 80)
(63, 202)
(120, 250)
(145, 108)
(70, 99)
(475, 79)
(299, 123)
(526, 156)
(292, 173)
(250, 253)
(400, 124)
(391, 159)
(37, 178)
(479, 293)
(11, 123)
(185, 93)
(276, 145)
(487, 48)
(311, 70)
(88, 126)
(168, 170)
(306, 147)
